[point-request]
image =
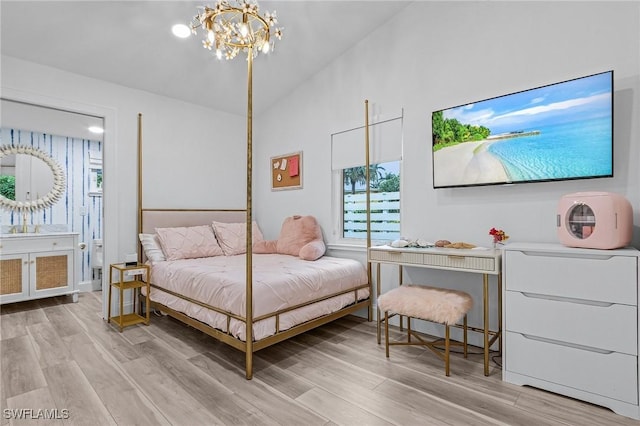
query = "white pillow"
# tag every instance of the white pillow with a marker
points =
(152, 248)
(232, 236)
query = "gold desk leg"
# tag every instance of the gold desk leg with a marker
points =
(485, 306)
(378, 294)
(400, 282)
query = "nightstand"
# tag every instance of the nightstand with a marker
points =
(140, 274)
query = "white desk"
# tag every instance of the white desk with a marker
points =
(485, 262)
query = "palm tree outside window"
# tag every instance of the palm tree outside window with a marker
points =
(385, 201)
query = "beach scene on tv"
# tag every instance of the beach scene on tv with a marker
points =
(559, 131)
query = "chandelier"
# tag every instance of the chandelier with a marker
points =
(232, 26)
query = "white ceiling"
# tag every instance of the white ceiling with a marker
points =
(130, 43)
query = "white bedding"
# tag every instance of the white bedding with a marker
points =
(279, 281)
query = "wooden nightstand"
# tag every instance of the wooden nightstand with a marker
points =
(140, 274)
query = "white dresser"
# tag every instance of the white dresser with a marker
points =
(570, 322)
(33, 266)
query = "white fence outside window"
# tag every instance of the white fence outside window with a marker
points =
(385, 215)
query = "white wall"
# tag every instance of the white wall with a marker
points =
(186, 164)
(435, 55)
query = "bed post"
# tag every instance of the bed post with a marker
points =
(138, 242)
(368, 188)
(249, 229)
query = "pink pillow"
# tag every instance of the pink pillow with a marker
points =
(296, 233)
(188, 242)
(232, 236)
(265, 247)
(313, 250)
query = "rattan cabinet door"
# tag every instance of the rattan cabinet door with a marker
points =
(51, 273)
(14, 277)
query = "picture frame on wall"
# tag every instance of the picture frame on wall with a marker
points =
(95, 175)
(286, 171)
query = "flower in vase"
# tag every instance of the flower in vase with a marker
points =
(499, 236)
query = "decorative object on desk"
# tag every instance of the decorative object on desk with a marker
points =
(442, 243)
(399, 243)
(408, 242)
(460, 245)
(499, 236)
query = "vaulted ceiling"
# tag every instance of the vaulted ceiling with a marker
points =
(130, 43)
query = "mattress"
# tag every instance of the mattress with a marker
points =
(279, 282)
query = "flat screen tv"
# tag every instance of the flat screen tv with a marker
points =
(556, 132)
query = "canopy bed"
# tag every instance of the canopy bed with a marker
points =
(203, 276)
(210, 277)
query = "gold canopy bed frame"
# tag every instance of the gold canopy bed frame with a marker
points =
(149, 219)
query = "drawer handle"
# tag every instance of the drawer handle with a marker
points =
(567, 344)
(456, 257)
(568, 255)
(568, 300)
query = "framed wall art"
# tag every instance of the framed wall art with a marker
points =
(286, 171)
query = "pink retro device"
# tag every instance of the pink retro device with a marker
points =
(601, 220)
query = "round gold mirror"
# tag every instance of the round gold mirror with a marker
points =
(38, 181)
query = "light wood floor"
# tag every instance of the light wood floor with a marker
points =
(56, 354)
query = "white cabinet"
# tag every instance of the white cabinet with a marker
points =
(34, 266)
(571, 322)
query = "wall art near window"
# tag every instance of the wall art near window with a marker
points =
(286, 171)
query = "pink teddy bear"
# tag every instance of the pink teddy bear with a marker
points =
(299, 236)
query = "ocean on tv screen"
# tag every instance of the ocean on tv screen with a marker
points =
(560, 131)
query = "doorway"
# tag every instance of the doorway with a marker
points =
(75, 141)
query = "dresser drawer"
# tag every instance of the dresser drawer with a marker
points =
(600, 325)
(396, 257)
(461, 262)
(592, 277)
(610, 374)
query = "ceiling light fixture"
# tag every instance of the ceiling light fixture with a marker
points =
(230, 27)
(233, 26)
(181, 30)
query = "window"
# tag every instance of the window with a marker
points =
(349, 198)
(384, 201)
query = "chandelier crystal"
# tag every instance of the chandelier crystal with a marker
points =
(232, 26)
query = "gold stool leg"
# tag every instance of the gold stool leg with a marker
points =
(446, 349)
(408, 329)
(386, 332)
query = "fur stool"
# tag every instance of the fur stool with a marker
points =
(431, 304)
